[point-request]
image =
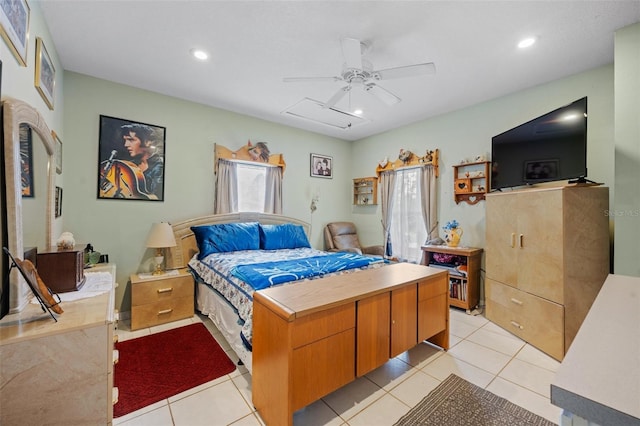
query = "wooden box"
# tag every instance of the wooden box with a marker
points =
(62, 270)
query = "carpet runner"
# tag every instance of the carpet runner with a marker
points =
(458, 402)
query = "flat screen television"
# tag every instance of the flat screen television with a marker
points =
(551, 147)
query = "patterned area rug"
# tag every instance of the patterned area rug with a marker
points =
(456, 402)
(155, 367)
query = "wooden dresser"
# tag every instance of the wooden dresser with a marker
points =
(313, 337)
(547, 256)
(158, 299)
(59, 373)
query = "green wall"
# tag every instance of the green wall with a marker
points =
(120, 227)
(466, 133)
(626, 207)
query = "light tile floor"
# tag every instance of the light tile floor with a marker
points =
(480, 352)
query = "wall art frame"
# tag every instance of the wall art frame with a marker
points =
(131, 160)
(45, 76)
(321, 166)
(58, 153)
(58, 201)
(26, 161)
(14, 27)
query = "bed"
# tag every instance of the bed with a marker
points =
(308, 336)
(222, 253)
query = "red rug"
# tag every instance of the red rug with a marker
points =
(155, 367)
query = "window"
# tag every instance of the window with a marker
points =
(408, 231)
(247, 187)
(251, 188)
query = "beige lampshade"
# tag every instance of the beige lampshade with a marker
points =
(161, 236)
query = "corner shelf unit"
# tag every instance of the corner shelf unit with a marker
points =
(365, 191)
(464, 290)
(471, 181)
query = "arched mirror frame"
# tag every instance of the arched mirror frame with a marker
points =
(15, 113)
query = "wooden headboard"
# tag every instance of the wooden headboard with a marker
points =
(179, 256)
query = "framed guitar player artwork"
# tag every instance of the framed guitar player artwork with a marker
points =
(130, 160)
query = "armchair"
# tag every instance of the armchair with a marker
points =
(342, 236)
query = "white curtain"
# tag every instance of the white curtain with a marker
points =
(413, 212)
(273, 190)
(264, 182)
(226, 188)
(429, 201)
(387, 182)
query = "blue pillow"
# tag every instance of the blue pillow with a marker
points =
(285, 236)
(226, 237)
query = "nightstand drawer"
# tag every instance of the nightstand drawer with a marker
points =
(161, 312)
(151, 291)
(160, 299)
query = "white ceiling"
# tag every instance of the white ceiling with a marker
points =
(254, 44)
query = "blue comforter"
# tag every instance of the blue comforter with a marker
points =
(267, 274)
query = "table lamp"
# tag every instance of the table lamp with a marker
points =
(160, 237)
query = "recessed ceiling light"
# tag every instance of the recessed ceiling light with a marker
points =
(357, 111)
(199, 54)
(527, 42)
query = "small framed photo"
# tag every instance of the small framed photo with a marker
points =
(26, 161)
(321, 166)
(14, 27)
(58, 154)
(131, 160)
(58, 201)
(45, 78)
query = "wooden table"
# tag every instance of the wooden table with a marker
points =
(313, 337)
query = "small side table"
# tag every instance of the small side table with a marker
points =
(159, 299)
(464, 290)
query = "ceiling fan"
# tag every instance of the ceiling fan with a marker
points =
(359, 72)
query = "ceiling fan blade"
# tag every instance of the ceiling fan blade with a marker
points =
(337, 96)
(310, 79)
(352, 52)
(383, 94)
(406, 71)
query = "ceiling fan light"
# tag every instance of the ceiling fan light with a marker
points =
(527, 42)
(199, 54)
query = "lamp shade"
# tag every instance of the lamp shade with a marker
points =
(160, 236)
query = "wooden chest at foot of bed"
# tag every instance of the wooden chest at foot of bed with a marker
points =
(312, 337)
(159, 299)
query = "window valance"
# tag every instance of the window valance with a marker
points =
(407, 158)
(258, 153)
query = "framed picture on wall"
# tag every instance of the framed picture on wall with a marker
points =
(14, 27)
(321, 166)
(131, 160)
(58, 153)
(26, 161)
(58, 201)
(45, 78)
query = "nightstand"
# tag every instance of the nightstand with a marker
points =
(158, 299)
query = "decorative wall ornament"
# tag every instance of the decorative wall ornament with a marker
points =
(407, 158)
(258, 152)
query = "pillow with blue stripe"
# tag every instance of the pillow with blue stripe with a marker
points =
(226, 237)
(284, 236)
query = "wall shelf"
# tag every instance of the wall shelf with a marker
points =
(471, 181)
(365, 191)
